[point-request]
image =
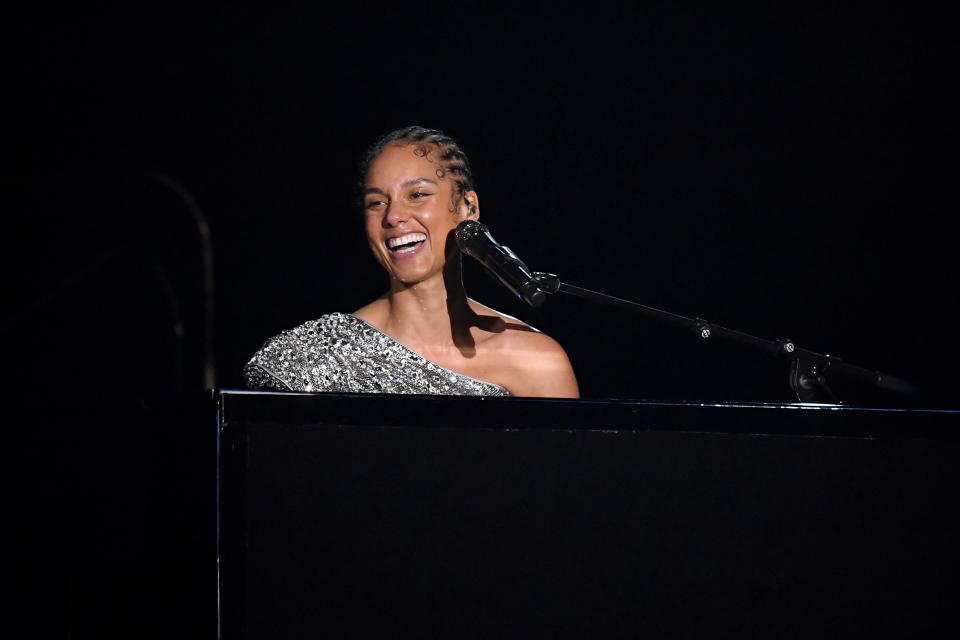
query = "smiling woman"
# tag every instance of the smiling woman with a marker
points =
(424, 335)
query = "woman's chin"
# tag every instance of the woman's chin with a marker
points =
(411, 277)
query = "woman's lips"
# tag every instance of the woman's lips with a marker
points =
(406, 246)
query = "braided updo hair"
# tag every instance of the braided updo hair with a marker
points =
(427, 142)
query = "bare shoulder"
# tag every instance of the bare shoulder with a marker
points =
(535, 363)
(505, 331)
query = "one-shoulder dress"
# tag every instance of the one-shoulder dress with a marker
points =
(339, 352)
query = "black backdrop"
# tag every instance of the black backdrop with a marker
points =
(786, 171)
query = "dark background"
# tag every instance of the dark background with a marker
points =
(786, 171)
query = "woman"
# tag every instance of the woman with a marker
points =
(423, 335)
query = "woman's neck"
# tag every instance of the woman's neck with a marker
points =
(433, 314)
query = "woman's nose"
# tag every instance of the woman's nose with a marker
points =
(393, 215)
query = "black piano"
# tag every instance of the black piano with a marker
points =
(379, 516)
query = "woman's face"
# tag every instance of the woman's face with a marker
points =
(410, 212)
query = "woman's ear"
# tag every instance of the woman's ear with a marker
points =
(472, 204)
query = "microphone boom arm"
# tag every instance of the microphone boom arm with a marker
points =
(808, 369)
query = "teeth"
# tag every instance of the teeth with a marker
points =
(405, 239)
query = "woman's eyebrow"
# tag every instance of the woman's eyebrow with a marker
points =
(410, 183)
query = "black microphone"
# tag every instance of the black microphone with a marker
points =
(474, 239)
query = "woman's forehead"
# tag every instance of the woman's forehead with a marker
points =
(401, 161)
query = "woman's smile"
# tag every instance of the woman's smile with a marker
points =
(406, 245)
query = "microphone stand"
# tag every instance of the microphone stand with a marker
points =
(206, 243)
(808, 369)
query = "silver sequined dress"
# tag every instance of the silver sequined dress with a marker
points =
(342, 353)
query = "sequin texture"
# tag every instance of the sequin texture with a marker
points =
(340, 352)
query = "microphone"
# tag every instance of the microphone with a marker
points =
(474, 239)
